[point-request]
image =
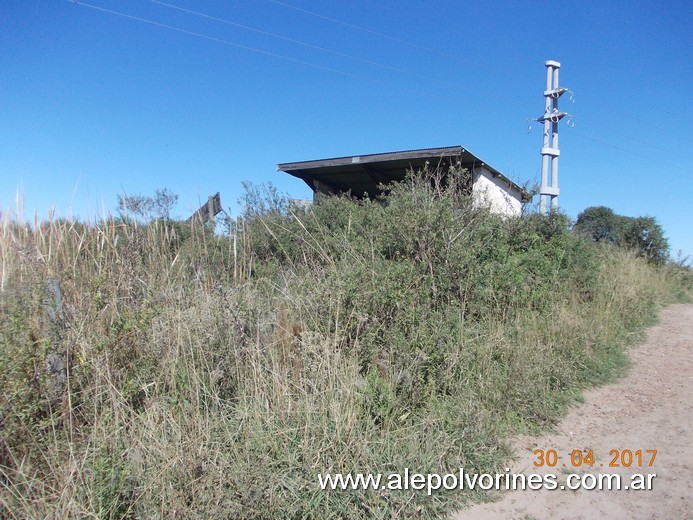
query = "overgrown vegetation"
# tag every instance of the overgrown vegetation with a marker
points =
(215, 377)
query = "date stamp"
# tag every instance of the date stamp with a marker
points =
(617, 458)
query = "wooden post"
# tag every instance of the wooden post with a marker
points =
(211, 209)
(208, 210)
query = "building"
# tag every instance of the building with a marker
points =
(362, 174)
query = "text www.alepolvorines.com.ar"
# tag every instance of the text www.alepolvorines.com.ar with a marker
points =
(485, 481)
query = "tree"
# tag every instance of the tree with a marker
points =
(131, 207)
(643, 235)
(147, 208)
(600, 224)
(164, 202)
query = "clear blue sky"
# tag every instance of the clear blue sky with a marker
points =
(93, 104)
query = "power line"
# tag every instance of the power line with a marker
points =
(631, 152)
(284, 57)
(324, 49)
(356, 58)
(358, 27)
(650, 145)
(440, 53)
(306, 63)
(388, 36)
(237, 45)
(274, 35)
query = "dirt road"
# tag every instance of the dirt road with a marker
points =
(651, 409)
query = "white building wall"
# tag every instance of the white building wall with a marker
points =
(493, 192)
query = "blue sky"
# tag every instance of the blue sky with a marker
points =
(93, 104)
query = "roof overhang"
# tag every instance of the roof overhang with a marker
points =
(362, 174)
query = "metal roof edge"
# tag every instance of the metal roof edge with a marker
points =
(290, 167)
(353, 159)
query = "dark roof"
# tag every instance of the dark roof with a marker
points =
(362, 173)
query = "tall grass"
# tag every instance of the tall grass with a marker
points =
(215, 377)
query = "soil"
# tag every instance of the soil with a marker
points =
(650, 409)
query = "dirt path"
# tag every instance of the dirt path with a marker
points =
(652, 408)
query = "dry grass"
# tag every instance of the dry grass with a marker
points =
(206, 377)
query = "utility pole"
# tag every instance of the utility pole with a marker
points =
(549, 150)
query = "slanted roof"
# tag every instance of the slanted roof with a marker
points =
(362, 173)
